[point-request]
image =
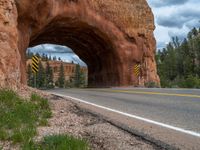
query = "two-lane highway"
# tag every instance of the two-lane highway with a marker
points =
(176, 107)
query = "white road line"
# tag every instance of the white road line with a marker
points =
(134, 116)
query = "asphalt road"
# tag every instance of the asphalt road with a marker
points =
(176, 107)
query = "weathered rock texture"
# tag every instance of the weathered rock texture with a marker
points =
(111, 36)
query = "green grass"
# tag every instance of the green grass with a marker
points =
(19, 117)
(58, 142)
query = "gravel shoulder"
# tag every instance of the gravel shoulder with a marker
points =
(69, 118)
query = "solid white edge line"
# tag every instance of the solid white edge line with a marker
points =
(134, 116)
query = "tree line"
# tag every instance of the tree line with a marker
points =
(44, 76)
(43, 57)
(179, 63)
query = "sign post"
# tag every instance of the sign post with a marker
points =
(35, 68)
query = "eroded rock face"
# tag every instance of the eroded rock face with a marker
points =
(111, 36)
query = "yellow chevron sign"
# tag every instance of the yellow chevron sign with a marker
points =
(137, 70)
(35, 62)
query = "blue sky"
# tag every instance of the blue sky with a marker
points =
(172, 18)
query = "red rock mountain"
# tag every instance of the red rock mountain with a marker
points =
(111, 36)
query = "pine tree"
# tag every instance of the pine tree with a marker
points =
(187, 60)
(50, 58)
(54, 58)
(43, 57)
(61, 79)
(77, 76)
(38, 55)
(170, 62)
(49, 76)
(83, 79)
(197, 45)
(79, 80)
(30, 76)
(194, 32)
(46, 57)
(41, 77)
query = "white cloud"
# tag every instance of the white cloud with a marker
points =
(163, 3)
(65, 53)
(174, 18)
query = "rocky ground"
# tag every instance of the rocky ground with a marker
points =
(69, 118)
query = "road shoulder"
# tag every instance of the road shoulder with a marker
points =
(157, 135)
(71, 118)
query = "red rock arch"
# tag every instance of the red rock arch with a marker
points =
(92, 45)
(108, 40)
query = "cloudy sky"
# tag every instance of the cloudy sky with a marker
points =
(174, 18)
(65, 53)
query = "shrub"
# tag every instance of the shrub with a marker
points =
(191, 82)
(151, 85)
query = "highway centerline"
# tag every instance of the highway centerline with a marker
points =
(149, 93)
(193, 133)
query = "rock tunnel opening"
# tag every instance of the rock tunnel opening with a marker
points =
(89, 43)
(111, 37)
(51, 58)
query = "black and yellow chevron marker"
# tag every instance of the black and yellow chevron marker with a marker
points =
(35, 62)
(137, 70)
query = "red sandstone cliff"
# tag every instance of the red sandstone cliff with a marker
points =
(111, 36)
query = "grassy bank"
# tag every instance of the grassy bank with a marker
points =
(19, 119)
